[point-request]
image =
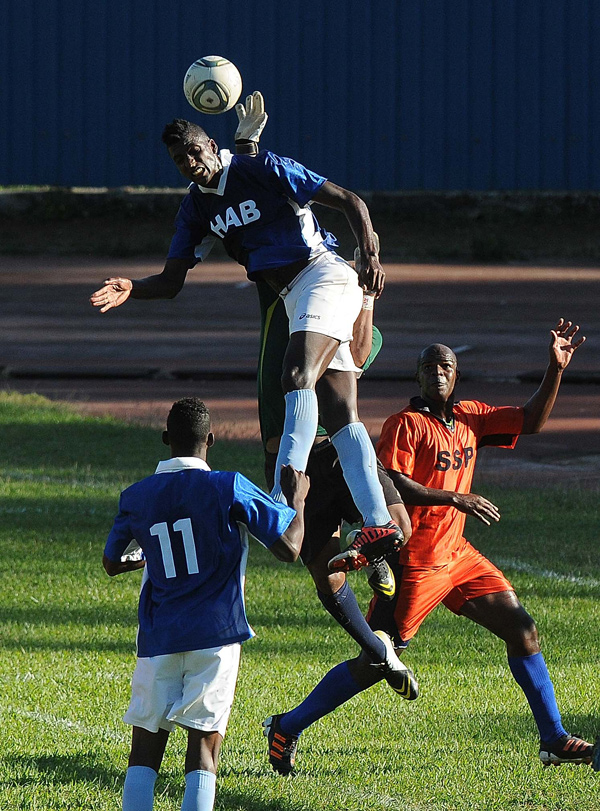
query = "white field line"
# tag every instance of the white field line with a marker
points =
(387, 801)
(75, 726)
(548, 574)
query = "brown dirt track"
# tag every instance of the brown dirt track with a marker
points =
(133, 362)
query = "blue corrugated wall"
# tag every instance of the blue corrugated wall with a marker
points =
(375, 94)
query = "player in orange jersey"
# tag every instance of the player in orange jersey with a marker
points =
(429, 449)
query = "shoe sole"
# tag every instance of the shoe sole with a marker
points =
(349, 561)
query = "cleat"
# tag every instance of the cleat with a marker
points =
(596, 755)
(567, 749)
(282, 747)
(400, 678)
(381, 579)
(369, 544)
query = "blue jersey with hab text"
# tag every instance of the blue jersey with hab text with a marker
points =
(192, 526)
(260, 211)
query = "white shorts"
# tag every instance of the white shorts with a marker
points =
(193, 690)
(326, 298)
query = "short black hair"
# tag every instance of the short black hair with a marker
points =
(188, 423)
(182, 131)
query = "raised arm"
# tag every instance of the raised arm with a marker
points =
(564, 340)
(370, 274)
(294, 486)
(251, 122)
(470, 503)
(167, 284)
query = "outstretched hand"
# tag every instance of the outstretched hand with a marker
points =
(564, 341)
(251, 117)
(477, 506)
(114, 293)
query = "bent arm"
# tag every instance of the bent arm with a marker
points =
(564, 341)
(469, 503)
(371, 274)
(294, 486)
(362, 337)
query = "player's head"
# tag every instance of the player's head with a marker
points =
(193, 152)
(437, 372)
(188, 428)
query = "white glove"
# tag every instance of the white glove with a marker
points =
(252, 118)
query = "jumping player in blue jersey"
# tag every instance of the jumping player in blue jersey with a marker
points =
(259, 206)
(192, 525)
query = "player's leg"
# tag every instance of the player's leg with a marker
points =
(201, 762)
(337, 392)
(274, 338)
(339, 413)
(322, 303)
(155, 682)
(328, 503)
(147, 750)
(307, 354)
(339, 685)
(485, 596)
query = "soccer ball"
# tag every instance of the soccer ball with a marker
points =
(212, 85)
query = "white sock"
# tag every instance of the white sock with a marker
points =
(359, 465)
(138, 791)
(299, 431)
(200, 789)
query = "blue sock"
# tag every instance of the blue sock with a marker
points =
(199, 791)
(334, 689)
(531, 674)
(359, 464)
(299, 431)
(138, 791)
(343, 607)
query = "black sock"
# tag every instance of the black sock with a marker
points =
(343, 607)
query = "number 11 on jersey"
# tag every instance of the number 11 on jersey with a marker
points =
(184, 526)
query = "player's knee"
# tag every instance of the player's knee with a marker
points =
(526, 634)
(296, 377)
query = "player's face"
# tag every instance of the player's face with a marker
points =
(198, 161)
(436, 375)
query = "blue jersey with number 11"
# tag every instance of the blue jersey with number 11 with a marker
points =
(259, 210)
(191, 525)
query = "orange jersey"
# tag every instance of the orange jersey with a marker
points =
(422, 447)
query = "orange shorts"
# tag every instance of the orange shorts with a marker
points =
(468, 575)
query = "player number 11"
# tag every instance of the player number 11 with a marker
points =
(184, 525)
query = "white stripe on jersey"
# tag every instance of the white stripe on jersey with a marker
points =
(310, 234)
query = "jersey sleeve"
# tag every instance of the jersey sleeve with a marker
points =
(397, 444)
(192, 238)
(265, 518)
(120, 535)
(498, 426)
(376, 345)
(292, 178)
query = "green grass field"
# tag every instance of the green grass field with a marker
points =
(67, 651)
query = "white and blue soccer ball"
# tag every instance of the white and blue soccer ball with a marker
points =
(212, 85)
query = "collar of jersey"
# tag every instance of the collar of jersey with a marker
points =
(419, 404)
(226, 157)
(178, 463)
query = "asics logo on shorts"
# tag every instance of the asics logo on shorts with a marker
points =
(246, 212)
(308, 315)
